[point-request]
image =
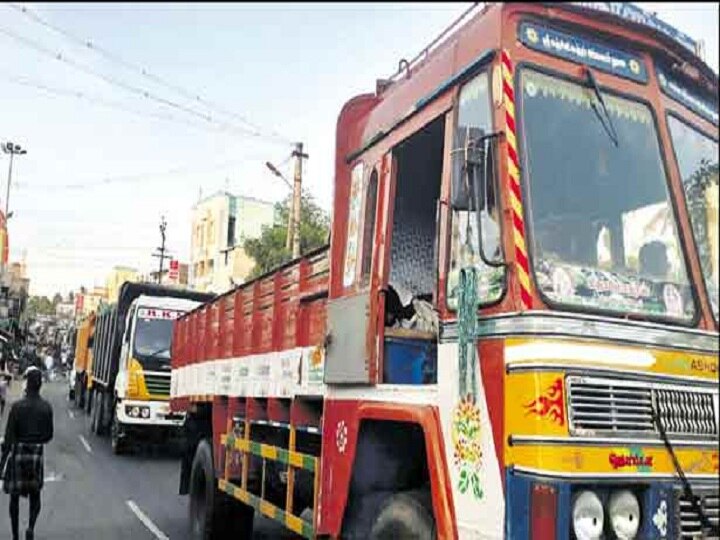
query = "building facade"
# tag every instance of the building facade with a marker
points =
(118, 276)
(87, 302)
(220, 225)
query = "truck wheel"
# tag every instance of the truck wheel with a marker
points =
(116, 441)
(92, 398)
(405, 515)
(213, 514)
(88, 400)
(100, 422)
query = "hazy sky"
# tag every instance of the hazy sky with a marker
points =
(104, 163)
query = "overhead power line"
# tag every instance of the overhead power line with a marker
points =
(113, 57)
(95, 100)
(38, 47)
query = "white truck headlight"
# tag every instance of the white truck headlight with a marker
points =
(146, 412)
(135, 412)
(588, 516)
(624, 514)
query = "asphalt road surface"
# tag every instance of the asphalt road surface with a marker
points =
(91, 494)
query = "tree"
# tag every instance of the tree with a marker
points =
(269, 251)
(39, 305)
(57, 299)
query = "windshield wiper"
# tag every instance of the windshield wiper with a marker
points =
(608, 126)
(155, 354)
(705, 522)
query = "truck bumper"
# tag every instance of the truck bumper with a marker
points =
(533, 501)
(158, 415)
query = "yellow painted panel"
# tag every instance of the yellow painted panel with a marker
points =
(613, 459)
(535, 404)
(610, 356)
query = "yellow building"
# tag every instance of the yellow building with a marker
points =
(118, 276)
(220, 225)
(86, 303)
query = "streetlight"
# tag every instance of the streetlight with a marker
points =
(12, 149)
(288, 239)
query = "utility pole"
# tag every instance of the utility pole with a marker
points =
(12, 149)
(161, 249)
(289, 235)
(297, 191)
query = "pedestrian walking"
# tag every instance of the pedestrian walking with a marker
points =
(29, 427)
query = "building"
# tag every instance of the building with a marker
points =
(65, 310)
(118, 276)
(220, 225)
(87, 302)
(180, 281)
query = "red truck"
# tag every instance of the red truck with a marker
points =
(514, 330)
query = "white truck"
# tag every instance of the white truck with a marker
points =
(129, 375)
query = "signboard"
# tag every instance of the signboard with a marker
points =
(635, 14)
(677, 91)
(174, 271)
(79, 302)
(157, 313)
(583, 51)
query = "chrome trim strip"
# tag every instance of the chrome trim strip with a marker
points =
(572, 369)
(530, 440)
(556, 324)
(611, 477)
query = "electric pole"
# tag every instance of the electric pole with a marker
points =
(12, 149)
(161, 249)
(297, 191)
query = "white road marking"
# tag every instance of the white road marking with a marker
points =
(147, 521)
(85, 444)
(71, 414)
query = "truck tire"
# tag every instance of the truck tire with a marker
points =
(88, 400)
(92, 409)
(213, 515)
(96, 412)
(117, 443)
(100, 422)
(405, 515)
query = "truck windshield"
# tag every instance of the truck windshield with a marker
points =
(153, 337)
(697, 157)
(604, 232)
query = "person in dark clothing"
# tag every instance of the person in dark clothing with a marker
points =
(29, 427)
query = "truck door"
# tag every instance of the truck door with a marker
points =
(356, 320)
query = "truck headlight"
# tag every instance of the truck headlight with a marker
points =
(135, 412)
(588, 516)
(624, 514)
(146, 412)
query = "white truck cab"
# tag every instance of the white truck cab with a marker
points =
(142, 386)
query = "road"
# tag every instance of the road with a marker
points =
(91, 494)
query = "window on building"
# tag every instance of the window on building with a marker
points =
(230, 234)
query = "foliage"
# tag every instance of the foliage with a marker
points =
(57, 299)
(39, 305)
(269, 251)
(705, 176)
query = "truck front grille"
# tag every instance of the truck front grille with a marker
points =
(158, 384)
(688, 519)
(610, 406)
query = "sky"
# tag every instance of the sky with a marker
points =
(111, 149)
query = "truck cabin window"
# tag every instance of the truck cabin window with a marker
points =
(697, 158)
(603, 228)
(473, 115)
(153, 337)
(412, 247)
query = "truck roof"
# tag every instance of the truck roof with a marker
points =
(166, 302)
